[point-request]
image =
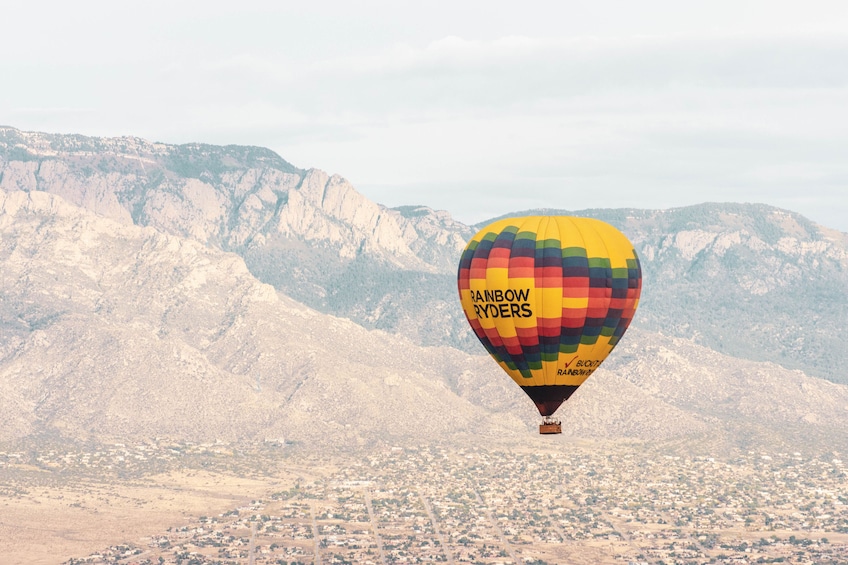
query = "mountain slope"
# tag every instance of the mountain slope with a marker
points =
(749, 280)
(307, 233)
(115, 330)
(110, 330)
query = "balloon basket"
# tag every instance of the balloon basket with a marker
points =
(550, 426)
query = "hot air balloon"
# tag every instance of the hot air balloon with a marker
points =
(549, 297)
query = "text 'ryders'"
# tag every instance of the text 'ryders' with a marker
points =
(502, 303)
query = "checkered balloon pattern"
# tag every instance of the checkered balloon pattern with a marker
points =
(549, 297)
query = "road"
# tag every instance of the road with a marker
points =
(445, 549)
(495, 526)
(315, 536)
(371, 517)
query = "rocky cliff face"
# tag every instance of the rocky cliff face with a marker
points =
(113, 330)
(748, 280)
(110, 330)
(120, 254)
(305, 232)
(234, 198)
(751, 281)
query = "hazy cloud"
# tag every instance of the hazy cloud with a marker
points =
(616, 103)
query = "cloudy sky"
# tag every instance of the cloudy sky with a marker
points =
(478, 108)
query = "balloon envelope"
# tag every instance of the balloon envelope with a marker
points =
(549, 297)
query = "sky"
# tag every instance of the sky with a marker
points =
(477, 108)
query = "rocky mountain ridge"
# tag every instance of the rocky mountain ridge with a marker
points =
(748, 280)
(120, 254)
(235, 198)
(753, 281)
(117, 331)
(305, 232)
(111, 330)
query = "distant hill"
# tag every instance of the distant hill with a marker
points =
(119, 331)
(749, 280)
(132, 304)
(311, 235)
(111, 331)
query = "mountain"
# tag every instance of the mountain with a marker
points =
(753, 281)
(749, 280)
(111, 330)
(305, 232)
